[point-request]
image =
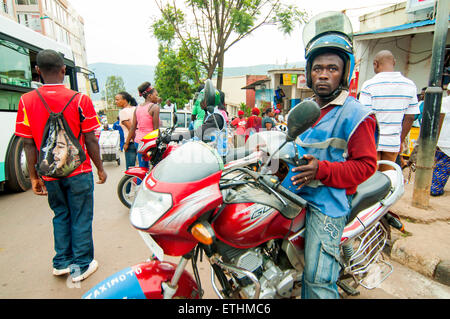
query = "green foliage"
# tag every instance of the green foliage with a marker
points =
(247, 109)
(114, 84)
(206, 29)
(286, 16)
(177, 73)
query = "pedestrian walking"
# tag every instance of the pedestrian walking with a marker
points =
(127, 105)
(239, 125)
(340, 150)
(441, 169)
(253, 124)
(117, 127)
(393, 97)
(198, 114)
(71, 197)
(145, 118)
(267, 122)
(168, 105)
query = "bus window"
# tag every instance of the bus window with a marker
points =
(165, 119)
(15, 68)
(188, 120)
(181, 119)
(9, 101)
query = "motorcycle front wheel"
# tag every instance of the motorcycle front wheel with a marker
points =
(127, 189)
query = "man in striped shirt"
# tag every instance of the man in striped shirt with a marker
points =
(393, 97)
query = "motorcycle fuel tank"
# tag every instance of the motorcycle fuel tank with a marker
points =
(248, 225)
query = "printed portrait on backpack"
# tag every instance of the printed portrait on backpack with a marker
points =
(61, 150)
(61, 157)
(65, 154)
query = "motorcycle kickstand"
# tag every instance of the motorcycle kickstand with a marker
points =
(171, 288)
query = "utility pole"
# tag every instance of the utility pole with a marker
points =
(431, 111)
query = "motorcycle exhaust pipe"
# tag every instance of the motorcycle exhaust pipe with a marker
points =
(394, 221)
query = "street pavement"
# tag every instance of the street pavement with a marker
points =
(425, 247)
(26, 249)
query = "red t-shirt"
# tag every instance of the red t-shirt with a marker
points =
(240, 125)
(80, 115)
(361, 162)
(254, 122)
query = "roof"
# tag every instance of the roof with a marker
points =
(300, 70)
(402, 27)
(254, 84)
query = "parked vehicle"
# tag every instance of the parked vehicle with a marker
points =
(153, 147)
(249, 224)
(19, 46)
(183, 119)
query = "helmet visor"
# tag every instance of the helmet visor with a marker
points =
(324, 22)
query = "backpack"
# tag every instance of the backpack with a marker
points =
(60, 152)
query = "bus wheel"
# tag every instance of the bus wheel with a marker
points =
(18, 179)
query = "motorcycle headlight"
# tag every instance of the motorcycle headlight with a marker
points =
(148, 207)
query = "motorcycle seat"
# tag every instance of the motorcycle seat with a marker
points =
(369, 192)
(237, 153)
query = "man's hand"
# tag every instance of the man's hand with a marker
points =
(101, 176)
(308, 171)
(38, 187)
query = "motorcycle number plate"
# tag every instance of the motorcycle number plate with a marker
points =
(152, 245)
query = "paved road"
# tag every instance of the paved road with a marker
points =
(26, 250)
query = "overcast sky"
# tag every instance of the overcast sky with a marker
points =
(117, 31)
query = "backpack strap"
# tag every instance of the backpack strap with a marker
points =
(50, 111)
(48, 108)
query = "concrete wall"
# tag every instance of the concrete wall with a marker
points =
(384, 18)
(412, 53)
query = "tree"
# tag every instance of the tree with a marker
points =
(206, 29)
(176, 75)
(114, 84)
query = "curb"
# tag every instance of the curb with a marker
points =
(442, 272)
(428, 266)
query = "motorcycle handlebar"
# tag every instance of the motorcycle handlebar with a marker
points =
(271, 182)
(275, 185)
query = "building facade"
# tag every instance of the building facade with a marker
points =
(56, 19)
(407, 33)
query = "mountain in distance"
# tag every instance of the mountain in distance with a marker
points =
(134, 75)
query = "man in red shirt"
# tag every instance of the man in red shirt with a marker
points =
(253, 123)
(239, 124)
(70, 198)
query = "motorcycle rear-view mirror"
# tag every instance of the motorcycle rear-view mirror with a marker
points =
(174, 118)
(210, 93)
(94, 85)
(302, 117)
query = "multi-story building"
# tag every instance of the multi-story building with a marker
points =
(56, 19)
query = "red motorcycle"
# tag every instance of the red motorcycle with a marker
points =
(249, 224)
(153, 148)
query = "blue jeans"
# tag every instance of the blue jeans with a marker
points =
(322, 239)
(130, 155)
(142, 163)
(72, 201)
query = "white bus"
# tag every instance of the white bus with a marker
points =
(19, 46)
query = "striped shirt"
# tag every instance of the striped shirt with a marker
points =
(391, 96)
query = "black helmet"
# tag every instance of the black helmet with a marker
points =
(329, 32)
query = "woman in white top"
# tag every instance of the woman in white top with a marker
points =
(127, 104)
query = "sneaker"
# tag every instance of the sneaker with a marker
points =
(91, 269)
(60, 272)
